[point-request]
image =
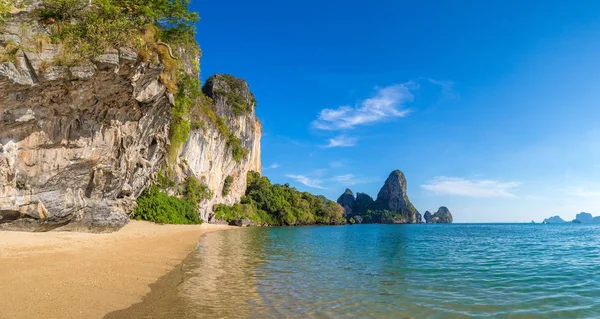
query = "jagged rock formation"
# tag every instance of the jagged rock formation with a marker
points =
(442, 216)
(346, 200)
(392, 204)
(79, 143)
(554, 220)
(206, 154)
(393, 197)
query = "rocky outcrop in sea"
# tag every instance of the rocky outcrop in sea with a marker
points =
(442, 216)
(554, 220)
(581, 218)
(586, 218)
(391, 206)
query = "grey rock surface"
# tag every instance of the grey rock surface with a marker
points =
(442, 216)
(346, 200)
(393, 196)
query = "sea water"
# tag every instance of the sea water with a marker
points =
(386, 271)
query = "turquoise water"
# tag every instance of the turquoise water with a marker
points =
(387, 271)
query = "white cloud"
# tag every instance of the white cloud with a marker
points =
(472, 188)
(341, 141)
(387, 103)
(272, 166)
(582, 192)
(308, 181)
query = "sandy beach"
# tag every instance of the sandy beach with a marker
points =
(82, 275)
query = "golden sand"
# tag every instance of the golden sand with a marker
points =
(81, 275)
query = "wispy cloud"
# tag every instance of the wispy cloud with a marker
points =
(447, 88)
(336, 164)
(351, 179)
(470, 187)
(345, 179)
(273, 166)
(308, 181)
(582, 192)
(387, 103)
(341, 141)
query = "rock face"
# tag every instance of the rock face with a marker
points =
(428, 216)
(78, 144)
(347, 201)
(442, 216)
(207, 156)
(393, 197)
(553, 220)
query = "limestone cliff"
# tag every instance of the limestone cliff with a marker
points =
(347, 201)
(392, 196)
(207, 156)
(79, 143)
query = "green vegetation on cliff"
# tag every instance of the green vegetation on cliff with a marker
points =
(275, 204)
(233, 91)
(227, 185)
(87, 29)
(5, 7)
(188, 92)
(234, 97)
(195, 192)
(385, 216)
(157, 206)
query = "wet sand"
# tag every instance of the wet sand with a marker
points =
(81, 275)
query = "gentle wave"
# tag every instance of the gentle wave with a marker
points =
(390, 271)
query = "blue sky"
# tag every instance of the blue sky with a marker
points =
(491, 108)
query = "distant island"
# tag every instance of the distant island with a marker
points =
(581, 218)
(442, 216)
(392, 205)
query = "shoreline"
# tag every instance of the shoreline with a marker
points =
(85, 275)
(161, 293)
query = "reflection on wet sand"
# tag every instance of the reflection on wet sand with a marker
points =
(216, 281)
